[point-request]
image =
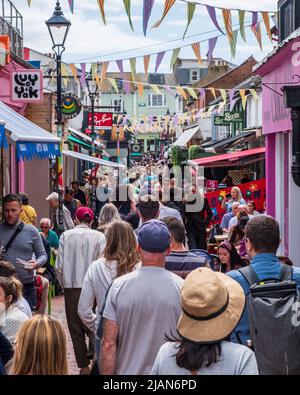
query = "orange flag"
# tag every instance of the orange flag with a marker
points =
(140, 87)
(266, 19)
(104, 70)
(228, 23)
(101, 6)
(168, 6)
(213, 92)
(146, 64)
(197, 51)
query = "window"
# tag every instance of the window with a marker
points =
(157, 101)
(195, 75)
(156, 79)
(118, 104)
(119, 84)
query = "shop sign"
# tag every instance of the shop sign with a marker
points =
(27, 86)
(71, 106)
(102, 120)
(228, 118)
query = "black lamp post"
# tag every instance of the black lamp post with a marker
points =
(58, 27)
(292, 101)
(93, 92)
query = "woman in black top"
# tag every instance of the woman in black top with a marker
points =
(6, 353)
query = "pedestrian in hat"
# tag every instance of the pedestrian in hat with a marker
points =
(212, 306)
(78, 248)
(141, 307)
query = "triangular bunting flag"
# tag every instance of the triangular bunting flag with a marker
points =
(169, 89)
(104, 70)
(101, 6)
(146, 64)
(98, 81)
(73, 71)
(254, 94)
(132, 62)
(197, 52)
(233, 43)
(127, 5)
(254, 18)
(233, 103)
(244, 98)
(71, 5)
(174, 57)
(266, 19)
(168, 5)
(156, 89)
(29, 3)
(213, 92)
(212, 13)
(127, 87)
(228, 23)
(192, 93)
(202, 94)
(147, 8)
(64, 74)
(83, 72)
(120, 67)
(190, 13)
(113, 84)
(257, 33)
(211, 46)
(181, 92)
(224, 95)
(242, 24)
(140, 87)
(94, 70)
(159, 59)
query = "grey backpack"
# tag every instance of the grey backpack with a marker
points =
(273, 307)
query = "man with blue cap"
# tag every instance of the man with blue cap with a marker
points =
(141, 307)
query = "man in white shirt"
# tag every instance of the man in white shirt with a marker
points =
(78, 248)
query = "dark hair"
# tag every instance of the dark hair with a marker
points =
(69, 191)
(235, 259)
(264, 234)
(193, 356)
(7, 269)
(176, 228)
(238, 232)
(148, 207)
(11, 197)
(24, 198)
(285, 260)
(75, 182)
(253, 204)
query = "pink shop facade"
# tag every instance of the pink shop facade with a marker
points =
(281, 68)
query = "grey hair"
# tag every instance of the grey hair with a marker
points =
(47, 220)
(53, 196)
(109, 213)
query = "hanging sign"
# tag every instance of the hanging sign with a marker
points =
(71, 106)
(27, 86)
(228, 118)
(102, 120)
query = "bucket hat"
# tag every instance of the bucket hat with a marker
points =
(212, 305)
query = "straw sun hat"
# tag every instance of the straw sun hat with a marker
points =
(212, 305)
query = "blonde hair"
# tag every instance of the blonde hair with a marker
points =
(11, 287)
(121, 247)
(239, 193)
(108, 214)
(41, 348)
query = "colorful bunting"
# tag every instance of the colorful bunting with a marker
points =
(224, 95)
(113, 84)
(74, 71)
(244, 98)
(202, 94)
(140, 87)
(211, 46)
(71, 5)
(127, 5)
(181, 92)
(147, 8)
(120, 67)
(132, 62)
(169, 89)
(146, 64)
(83, 72)
(101, 6)
(228, 23)
(213, 92)
(98, 81)
(104, 70)
(174, 57)
(197, 52)
(192, 93)
(168, 6)
(156, 89)
(257, 33)
(254, 18)
(190, 13)
(231, 95)
(233, 103)
(64, 74)
(233, 44)
(29, 3)
(266, 20)
(94, 70)
(254, 94)
(159, 59)
(212, 13)
(242, 24)
(127, 87)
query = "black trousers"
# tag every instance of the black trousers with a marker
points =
(197, 239)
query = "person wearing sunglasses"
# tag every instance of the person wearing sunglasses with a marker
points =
(51, 236)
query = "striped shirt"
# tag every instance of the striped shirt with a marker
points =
(184, 262)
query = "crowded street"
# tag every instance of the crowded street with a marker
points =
(149, 190)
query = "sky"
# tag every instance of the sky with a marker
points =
(89, 40)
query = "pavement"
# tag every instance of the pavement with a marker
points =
(58, 311)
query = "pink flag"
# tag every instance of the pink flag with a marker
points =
(82, 78)
(127, 87)
(211, 46)
(231, 95)
(71, 5)
(202, 94)
(212, 13)
(159, 59)
(200, 112)
(170, 90)
(120, 67)
(254, 18)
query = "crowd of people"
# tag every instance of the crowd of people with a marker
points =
(143, 295)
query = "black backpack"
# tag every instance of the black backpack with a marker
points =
(216, 230)
(273, 307)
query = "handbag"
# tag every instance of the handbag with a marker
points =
(101, 322)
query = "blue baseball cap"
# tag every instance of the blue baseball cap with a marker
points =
(154, 236)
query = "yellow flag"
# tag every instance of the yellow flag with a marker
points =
(244, 98)
(101, 6)
(197, 52)
(64, 74)
(192, 93)
(73, 71)
(181, 92)
(224, 95)
(104, 70)
(254, 94)
(210, 109)
(156, 89)
(113, 84)
(266, 19)
(213, 92)
(146, 64)
(140, 87)
(94, 70)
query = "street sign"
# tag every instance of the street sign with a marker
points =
(102, 120)
(228, 118)
(27, 86)
(71, 106)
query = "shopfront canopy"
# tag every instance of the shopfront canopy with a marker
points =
(186, 136)
(91, 159)
(227, 160)
(32, 142)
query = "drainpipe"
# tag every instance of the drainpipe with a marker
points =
(295, 116)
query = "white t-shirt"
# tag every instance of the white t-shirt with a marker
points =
(235, 360)
(146, 306)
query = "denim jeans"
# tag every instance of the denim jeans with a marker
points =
(29, 293)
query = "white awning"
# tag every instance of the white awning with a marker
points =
(186, 136)
(91, 159)
(22, 129)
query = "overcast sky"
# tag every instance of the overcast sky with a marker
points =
(89, 40)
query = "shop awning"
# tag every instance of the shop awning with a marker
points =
(228, 141)
(232, 157)
(91, 159)
(186, 136)
(32, 141)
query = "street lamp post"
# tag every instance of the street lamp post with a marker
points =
(58, 27)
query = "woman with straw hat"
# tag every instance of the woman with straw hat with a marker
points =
(212, 305)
